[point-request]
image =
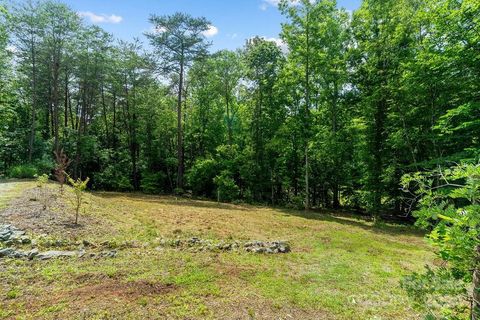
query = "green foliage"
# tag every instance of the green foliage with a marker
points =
(78, 189)
(227, 190)
(152, 183)
(42, 191)
(336, 114)
(439, 293)
(201, 177)
(23, 171)
(449, 206)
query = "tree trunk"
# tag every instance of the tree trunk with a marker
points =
(336, 197)
(55, 104)
(180, 130)
(66, 101)
(307, 110)
(307, 188)
(34, 101)
(476, 289)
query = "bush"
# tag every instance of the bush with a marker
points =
(227, 190)
(44, 166)
(296, 202)
(200, 177)
(113, 177)
(152, 182)
(23, 171)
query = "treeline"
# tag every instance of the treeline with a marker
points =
(335, 116)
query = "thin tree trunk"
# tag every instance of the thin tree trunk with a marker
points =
(114, 130)
(56, 119)
(180, 168)
(66, 101)
(104, 109)
(476, 288)
(34, 100)
(307, 110)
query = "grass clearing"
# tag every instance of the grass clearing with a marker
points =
(339, 267)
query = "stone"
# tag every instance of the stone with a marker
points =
(32, 254)
(25, 240)
(7, 252)
(19, 255)
(108, 254)
(56, 254)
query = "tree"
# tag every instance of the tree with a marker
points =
(179, 40)
(62, 25)
(79, 186)
(383, 40)
(450, 208)
(299, 36)
(28, 27)
(263, 62)
(317, 33)
(62, 163)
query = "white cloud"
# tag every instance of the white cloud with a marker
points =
(212, 31)
(100, 18)
(274, 3)
(279, 42)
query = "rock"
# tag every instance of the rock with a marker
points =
(108, 254)
(7, 252)
(56, 254)
(32, 254)
(25, 240)
(267, 247)
(19, 255)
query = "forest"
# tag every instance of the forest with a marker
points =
(371, 111)
(334, 118)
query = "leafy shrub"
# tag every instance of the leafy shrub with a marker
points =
(152, 182)
(43, 194)
(23, 171)
(78, 189)
(200, 177)
(296, 202)
(113, 177)
(44, 165)
(448, 207)
(227, 190)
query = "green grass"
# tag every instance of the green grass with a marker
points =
(8, 190)
(339, 267)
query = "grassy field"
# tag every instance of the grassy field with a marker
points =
(339, 267)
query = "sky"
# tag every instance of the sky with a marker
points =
(232, 21)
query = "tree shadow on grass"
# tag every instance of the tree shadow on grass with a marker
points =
(175, 201)
(353, 220)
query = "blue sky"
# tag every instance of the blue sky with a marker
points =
(233, 21)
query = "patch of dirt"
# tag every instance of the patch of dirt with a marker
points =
(26, 213)
(119, 289)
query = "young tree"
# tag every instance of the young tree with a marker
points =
(79, 186)
(62, 163)
(178, 40)
(449, 207)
